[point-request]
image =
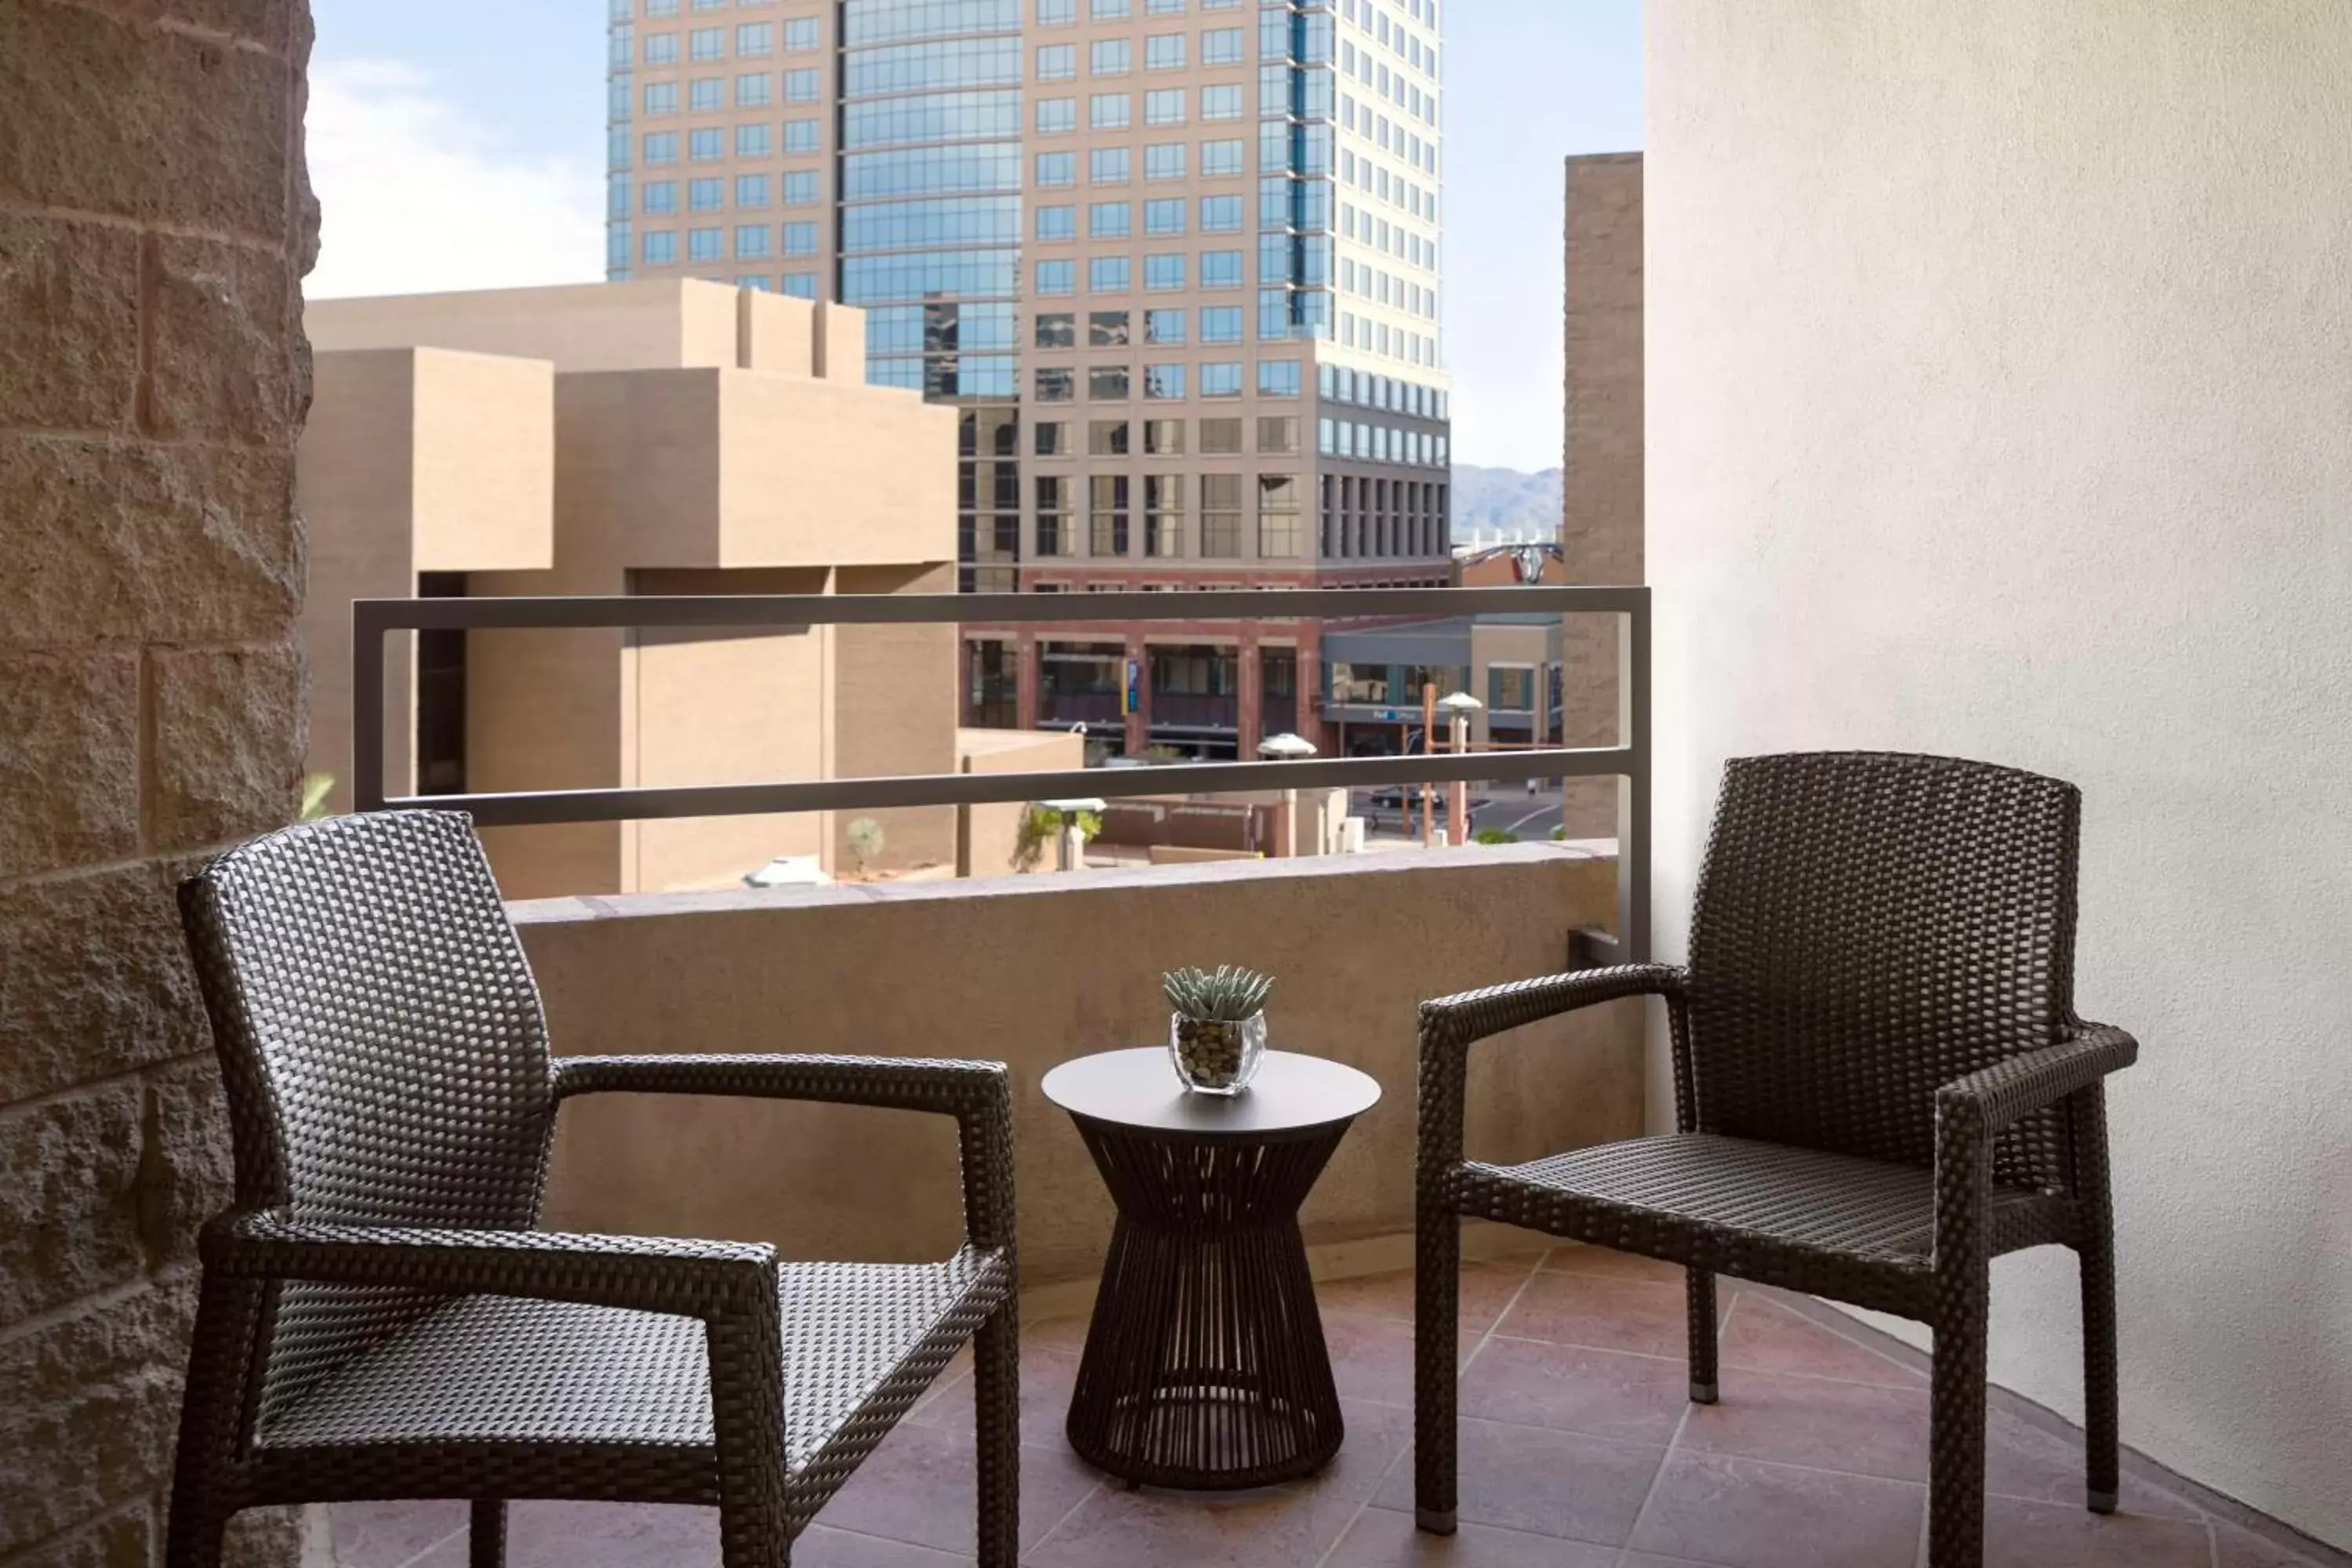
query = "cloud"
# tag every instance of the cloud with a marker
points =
(414, 197)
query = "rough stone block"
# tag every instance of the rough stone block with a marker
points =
(227, 744)
(124, 1539)
(89, 1406)
(69, 1196)
(263, 22)
(68, 759)
(106, 115)
(69, 319)
(94, 979)
(187, 1174)
(114, 539)
(218, 362)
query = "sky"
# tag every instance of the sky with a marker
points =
(460, 144)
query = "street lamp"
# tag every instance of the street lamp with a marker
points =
(1288, 748)
(1458, 707)
(1069, 848)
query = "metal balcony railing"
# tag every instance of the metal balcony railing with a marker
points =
(1629, 760)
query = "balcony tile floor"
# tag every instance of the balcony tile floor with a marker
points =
(1579, 1449)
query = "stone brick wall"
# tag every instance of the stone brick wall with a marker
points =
(1601, 479)
(155, 222)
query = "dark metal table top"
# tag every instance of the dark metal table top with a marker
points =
(1139, 1089)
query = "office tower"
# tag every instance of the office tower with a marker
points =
(1176, 261)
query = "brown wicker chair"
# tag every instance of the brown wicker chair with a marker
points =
(1880, 1084)
(381, 1316)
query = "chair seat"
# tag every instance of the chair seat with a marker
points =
(1689, 1195)
(858, 1340)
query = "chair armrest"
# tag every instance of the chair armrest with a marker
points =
(1450, 1025)
(712, 1280)
(977, 1094)
(1991, 1097)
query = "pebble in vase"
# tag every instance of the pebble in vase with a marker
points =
(1216, 1025)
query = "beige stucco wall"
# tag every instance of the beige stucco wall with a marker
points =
(1018, 970)
(1999, 384)
(996, 830)
(656, 323)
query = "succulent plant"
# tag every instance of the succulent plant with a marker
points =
(1229, 993)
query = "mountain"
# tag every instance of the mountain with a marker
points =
(1488, 500)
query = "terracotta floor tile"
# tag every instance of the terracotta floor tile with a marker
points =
(1377, 1436)
(1067, 1333)
(1601, 1393)
(1486, 1289)
(1383, 1538)
(2052, 1535)
(1762, 1335)
(1046, 1378)
(1854, 1426)
(2025, 1460)
(919, 1487)
(611, 1535)
(1608, 1262)
(1148, 1529)
(1550, 1483)
(388, 1534)
(1748, 1514)
(450, 1553)
(2236, 1548)
(820, 1547)
(1602, 1312)
(1652, 1560)
(1371, 1358)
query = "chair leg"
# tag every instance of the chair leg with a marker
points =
(1698, 1284)
(2102, 1439)
(996, 1432)
(1956, 1463)
(1436, 1380)
(485, 1534)
(195, 1534)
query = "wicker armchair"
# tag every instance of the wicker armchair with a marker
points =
(1880, 1085)
(380, 1315)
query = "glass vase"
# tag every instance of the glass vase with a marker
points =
(1216, 1056)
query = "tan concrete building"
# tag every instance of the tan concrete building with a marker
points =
(665, 436)
(1177, 268)
(1602, 451)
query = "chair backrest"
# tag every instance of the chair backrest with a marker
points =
(1868, 927)
(382, 1045)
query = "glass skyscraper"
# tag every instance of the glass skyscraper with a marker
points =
(1177, 261)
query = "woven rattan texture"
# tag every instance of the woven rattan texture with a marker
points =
(1880, 1085)
(380, 1318)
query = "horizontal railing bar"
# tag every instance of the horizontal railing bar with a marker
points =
(665, 611)
(540, 808)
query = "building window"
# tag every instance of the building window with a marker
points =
(1055, 384)
(1109, 10)
(1058, 276)
(1107, 274)
(660, 248)
(1277, 516)
(661, 196)
(1052, 440)
(1165, 52)
(1164, 383)
(1165, 107)
(1057, 12)
(1107, 384)
(801, 285)
(1220, 159)
(704, 196)
(1163, 7)
(1220, 323)
(1223, 102)
(1056, 330)
(1057, 115)
(1055, 169)
(1107, 512)
(1278, 433)
(750, 240)
(1277, 378)
(1221, 46)
(1164, 272)
(1057, 222)
(800, 239)
(1221, 269)
(1164, 217)
(750, 141)
(1221, 437)
(707, 44)
(1107, 439)
(1220, 379)
(1163, 437)
(703, 244)
(661, 48)
(1057, 62)
(661, 98)
(1164, 326)
(1221, 215)
(1109, 110)
(1108, 329)
(801, 86)
(1108, 166)
(1163, 515)
(758, 282)
(799, 136)
(1107, 220)
(1164, 161)
(704, 146)
(661, 146)
(800, 34)
(1052, 510)
(1220, 505)
(799, 187)
(751, 91)
(755, 38)
(703, 95)
(1109, 57)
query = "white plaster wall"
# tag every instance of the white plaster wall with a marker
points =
(2000, 403)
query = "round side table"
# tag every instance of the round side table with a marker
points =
(1204, 1364)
